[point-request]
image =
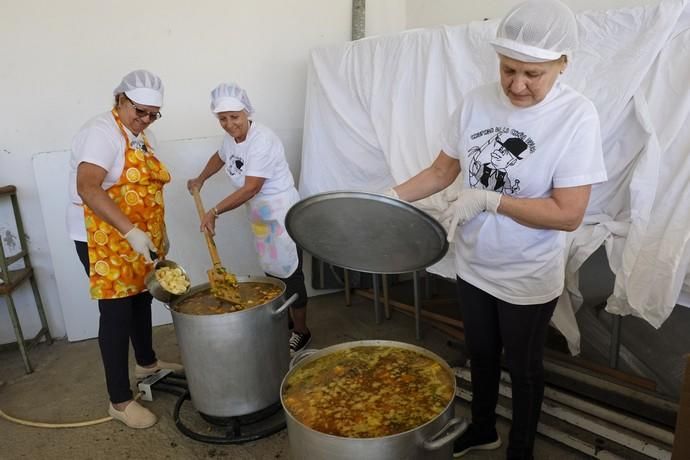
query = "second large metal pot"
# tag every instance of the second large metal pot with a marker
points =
(430, 441)
(234, 362)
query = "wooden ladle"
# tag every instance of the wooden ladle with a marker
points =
(223, 284)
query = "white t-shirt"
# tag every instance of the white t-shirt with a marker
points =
(261, 154)
(99, 142)
(521, 152)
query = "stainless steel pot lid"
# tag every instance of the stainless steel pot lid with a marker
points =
(366, 232)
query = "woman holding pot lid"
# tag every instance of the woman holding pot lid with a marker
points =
(528, 149)
(254, 159)
(116, 220)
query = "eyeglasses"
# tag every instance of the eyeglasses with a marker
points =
(141, 113)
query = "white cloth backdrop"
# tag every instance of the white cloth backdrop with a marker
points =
(375, 107)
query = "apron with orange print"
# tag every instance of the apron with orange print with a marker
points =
(115, 269)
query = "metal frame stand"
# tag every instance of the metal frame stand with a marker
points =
(386, 300)
(12, 279)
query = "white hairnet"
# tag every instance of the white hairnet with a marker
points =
(229, 97)
(142, 87)
(537, 31)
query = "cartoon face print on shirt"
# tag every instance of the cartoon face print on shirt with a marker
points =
(490, 163)
(235, 165)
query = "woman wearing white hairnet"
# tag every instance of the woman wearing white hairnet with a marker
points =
(116, 220)
(254, 159)
(528, 149)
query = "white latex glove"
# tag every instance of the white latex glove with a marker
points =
(391, 193)
(470, 203)
(141, 242)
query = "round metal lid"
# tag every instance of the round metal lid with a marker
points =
(366, 232)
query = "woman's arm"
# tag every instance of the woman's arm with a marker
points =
(213, 165)
(90, 179)
(435, 178)
(563, 210)
(252, 186)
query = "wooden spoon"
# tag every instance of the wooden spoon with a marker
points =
(223, 284)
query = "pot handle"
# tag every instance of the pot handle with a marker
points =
(300, 355)
(287, 303)
(454, 428)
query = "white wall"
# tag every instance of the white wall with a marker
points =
(385, 17)
(427, 13)
(61, 60)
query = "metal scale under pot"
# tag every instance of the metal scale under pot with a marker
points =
(207, 428)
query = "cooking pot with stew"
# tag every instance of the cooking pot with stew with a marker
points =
(235, 356)
(370, 399)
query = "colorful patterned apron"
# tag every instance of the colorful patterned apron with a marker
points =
(277, 252)
(115, 269)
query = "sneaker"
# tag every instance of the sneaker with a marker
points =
(472, 439)
(299, 340)
(134, 416)
(141, 372)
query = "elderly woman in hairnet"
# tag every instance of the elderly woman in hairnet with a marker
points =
(116, 222)
(254, 159)
(528, 149)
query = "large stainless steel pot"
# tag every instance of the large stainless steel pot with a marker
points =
(234, 362)
(431, 441)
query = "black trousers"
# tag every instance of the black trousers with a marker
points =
(295, 284)
(121, 320)
(491, 325)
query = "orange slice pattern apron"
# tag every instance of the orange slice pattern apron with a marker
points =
(115, 269)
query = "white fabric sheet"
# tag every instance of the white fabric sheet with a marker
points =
(375, 108)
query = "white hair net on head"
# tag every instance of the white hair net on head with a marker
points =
(142, 87)
(229, 97)
(537, 31)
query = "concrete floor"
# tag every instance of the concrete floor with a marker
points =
(68, 386)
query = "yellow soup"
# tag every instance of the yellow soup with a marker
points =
(368, 391)
(252, 294)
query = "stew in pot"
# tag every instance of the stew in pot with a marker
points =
(205, 303)
(368, 391)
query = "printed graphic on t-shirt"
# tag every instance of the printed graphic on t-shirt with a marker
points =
(235, 166)
(495, 153)
(138, 144)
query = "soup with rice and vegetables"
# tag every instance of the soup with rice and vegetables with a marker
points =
(368, 391)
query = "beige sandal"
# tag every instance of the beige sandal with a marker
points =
(134, 416)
